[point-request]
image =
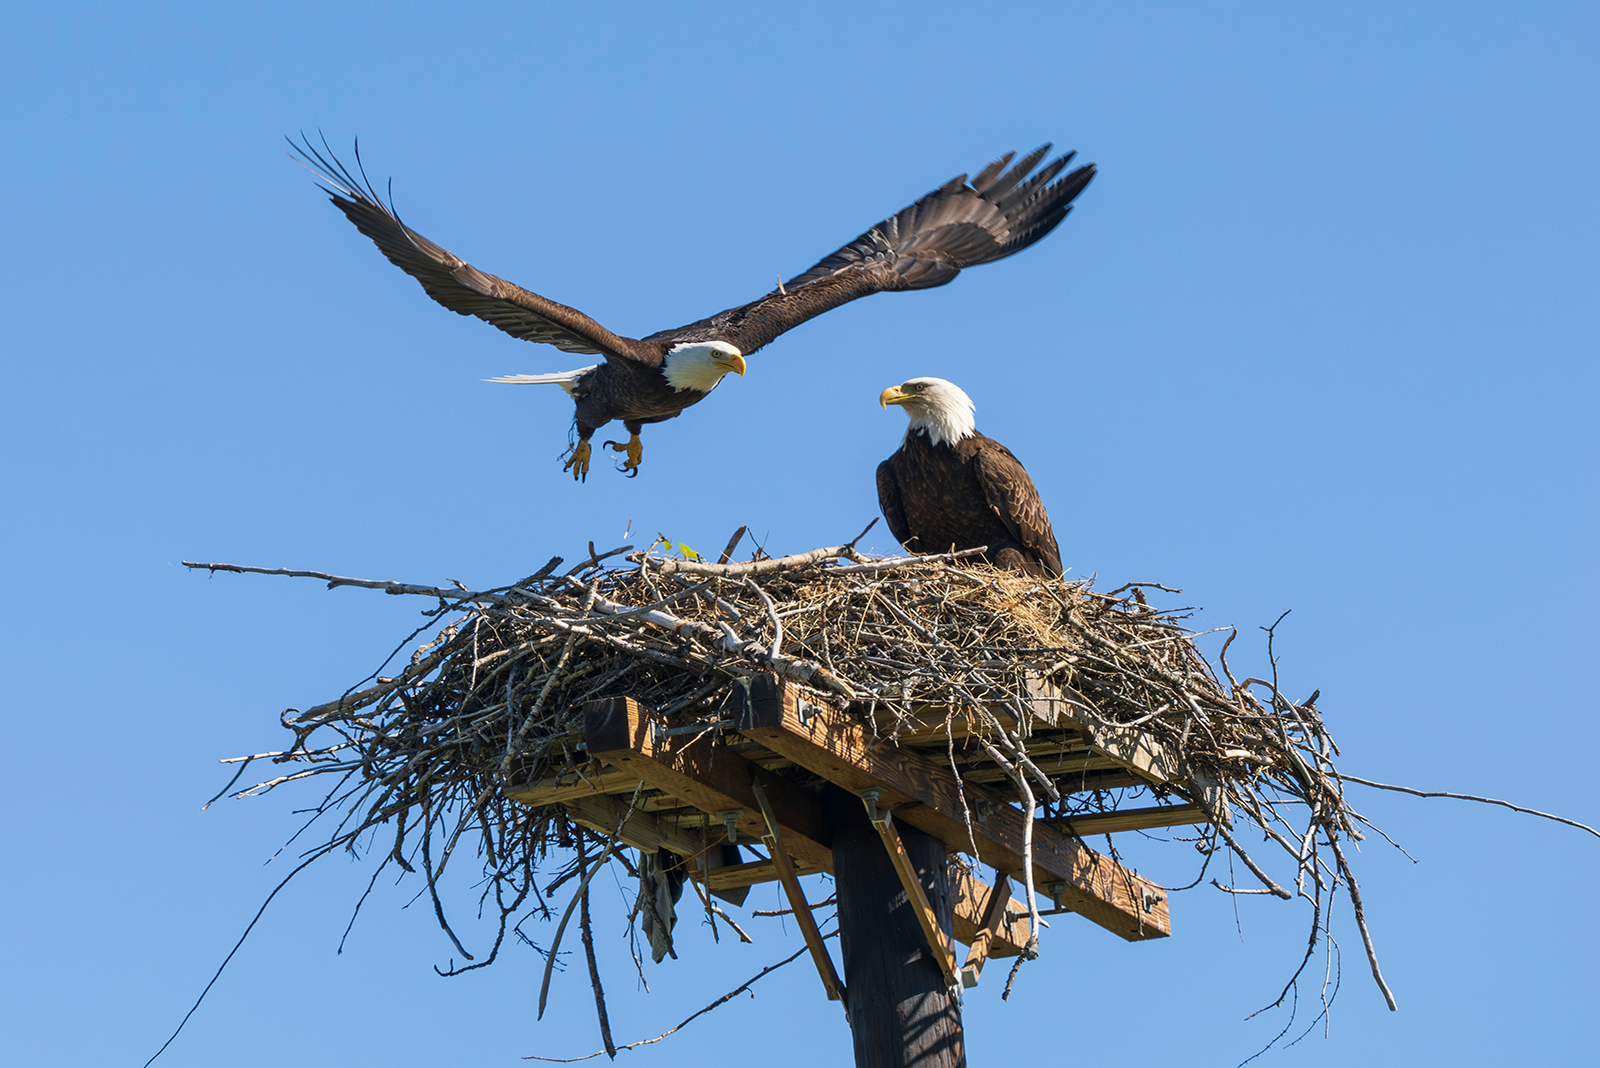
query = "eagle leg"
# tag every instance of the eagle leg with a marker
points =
(579, 463)
(635, 450)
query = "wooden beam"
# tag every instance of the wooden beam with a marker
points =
(708, 776)
(1131, 819)
(733, 876)
(569, 784)
(883, 823)
(969, 895)
(842, 749)
(1139, 751)
(994, 915)
(695, 769)
(797, 898)
(642, 830)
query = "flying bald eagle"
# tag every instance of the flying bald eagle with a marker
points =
(647, 380)
(947, 487)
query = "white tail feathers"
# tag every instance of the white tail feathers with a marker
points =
(565, 379)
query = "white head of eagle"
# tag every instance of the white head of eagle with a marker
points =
(701, 365)
(936, 407)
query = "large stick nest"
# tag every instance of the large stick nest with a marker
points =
(493, 694)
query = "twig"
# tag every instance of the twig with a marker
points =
(1466, 797)
(729, 996)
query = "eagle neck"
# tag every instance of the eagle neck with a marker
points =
(942, 426)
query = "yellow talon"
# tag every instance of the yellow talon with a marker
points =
(579, 464)
(635, 450)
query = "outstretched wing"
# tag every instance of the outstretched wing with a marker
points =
(457, 284)
(927, 244)
(1014, 498)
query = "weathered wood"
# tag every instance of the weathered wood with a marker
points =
(969, 899)
(696, 770)
(569, 784)
(642, 830)
(1140, 752)
(708, 776)
(797, 898)
(842, 749)
(900, 1009)
(932, 929)
(733, 876)
(1132, 819)
(994, 915)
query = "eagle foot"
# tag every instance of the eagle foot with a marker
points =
(635, 450)
(579, 464)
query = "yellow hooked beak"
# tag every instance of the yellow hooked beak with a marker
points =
(893, 395)
(734, 363)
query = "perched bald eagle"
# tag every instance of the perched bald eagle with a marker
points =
(948, 487)
(647, 380)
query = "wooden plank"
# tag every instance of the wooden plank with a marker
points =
(1134, 749)
(642, 831)
(803, 917)
(708, 776)
(994, 915)
(883, 823)
(1090, 781)
(568, 784)
(696, 770)
(1133, 819)
(1140, 752)
(733, 876)
(969, 896)
(842, 749)
(1066, 764)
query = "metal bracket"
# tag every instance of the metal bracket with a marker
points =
(806, 711)
(869, 797)
(658, 732)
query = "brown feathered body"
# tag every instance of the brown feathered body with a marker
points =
(949, 487)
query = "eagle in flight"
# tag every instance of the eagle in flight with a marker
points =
(947, 487)
(1003, 210)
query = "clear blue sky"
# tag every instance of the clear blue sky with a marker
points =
(1321, 336)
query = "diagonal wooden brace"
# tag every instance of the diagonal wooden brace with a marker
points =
(924, 793)
(797, 897)
(883, 823)
(706, 774)
(994, 914)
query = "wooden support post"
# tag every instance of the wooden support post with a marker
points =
(932, 930)
(797, 898)
(994, 914)
(928, 795)
(901, 1009)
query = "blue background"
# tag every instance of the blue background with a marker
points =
(1320, 336)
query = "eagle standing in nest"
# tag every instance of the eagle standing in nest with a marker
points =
(949, 488)
(650, 379)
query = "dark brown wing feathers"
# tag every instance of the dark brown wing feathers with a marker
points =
(460, 286)
(927, 244)
(1001, 212)
(938, 497)
(1013, 497)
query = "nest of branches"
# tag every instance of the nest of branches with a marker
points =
(492, 693)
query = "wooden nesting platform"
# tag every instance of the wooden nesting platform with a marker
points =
(701, 784)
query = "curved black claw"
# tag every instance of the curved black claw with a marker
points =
(635, 452)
